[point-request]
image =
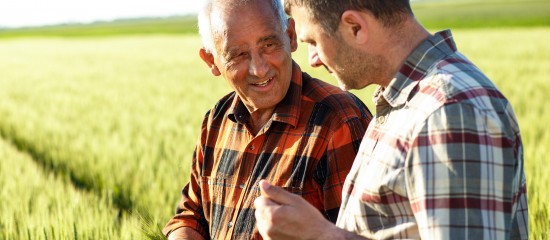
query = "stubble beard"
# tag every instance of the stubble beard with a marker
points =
(358, 69)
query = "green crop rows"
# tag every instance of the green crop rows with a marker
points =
(97, 132)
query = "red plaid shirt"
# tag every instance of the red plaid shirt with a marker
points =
(307, 147)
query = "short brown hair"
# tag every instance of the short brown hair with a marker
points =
(328, 12)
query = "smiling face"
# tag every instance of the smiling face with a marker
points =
(354, 68)
(252, 53)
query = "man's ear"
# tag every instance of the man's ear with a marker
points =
(291, 32)
(208, 58)
(355, 25)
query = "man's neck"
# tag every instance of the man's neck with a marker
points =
(259, 118)
(401, 43)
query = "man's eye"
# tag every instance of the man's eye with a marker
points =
(238, 55)
(270, 47)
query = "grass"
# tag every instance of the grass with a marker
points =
(433, 14)
(98, 124)
(168, 25)
(118, 123)
(483, 14)
(118, 117)
(39, 205)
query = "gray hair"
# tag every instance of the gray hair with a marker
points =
(204, 21)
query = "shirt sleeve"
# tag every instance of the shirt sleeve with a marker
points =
(465, 174)
(189, 211)
(342, 148)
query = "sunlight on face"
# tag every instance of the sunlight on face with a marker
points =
(353, 68)
(253, 54)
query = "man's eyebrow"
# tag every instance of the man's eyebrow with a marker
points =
(231, 52)
(268, 38)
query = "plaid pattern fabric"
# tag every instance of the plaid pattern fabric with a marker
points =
(307, 147)
(443, 158)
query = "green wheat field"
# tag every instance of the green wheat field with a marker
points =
(98, 122)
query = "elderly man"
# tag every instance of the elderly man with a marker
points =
(443, 158)
(279, 124)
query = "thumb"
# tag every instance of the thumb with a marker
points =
(276, 194)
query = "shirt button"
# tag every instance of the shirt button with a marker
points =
(381, 119)
(241, 186)
(251, 147)
(230, 225)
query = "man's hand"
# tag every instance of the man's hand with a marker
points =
(283, 215)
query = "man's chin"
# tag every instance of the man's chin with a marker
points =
(342, 85)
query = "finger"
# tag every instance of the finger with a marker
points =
(276, 194)
(263, 214)
(263, 202)
(265, 209)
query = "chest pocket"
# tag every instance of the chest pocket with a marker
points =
(218, 198)
(379, 184)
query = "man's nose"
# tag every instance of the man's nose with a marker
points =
(314, 59)
(258, 66)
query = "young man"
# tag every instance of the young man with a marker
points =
(278, 124)
(443, 158)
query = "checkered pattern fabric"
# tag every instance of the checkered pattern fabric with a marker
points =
(307, 147)
(443, 158)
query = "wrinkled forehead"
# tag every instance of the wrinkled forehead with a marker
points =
(227, 16)
(230, 23)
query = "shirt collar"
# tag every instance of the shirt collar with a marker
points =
(415, 67)
(287, 111)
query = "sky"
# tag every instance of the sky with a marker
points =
(24, 13)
